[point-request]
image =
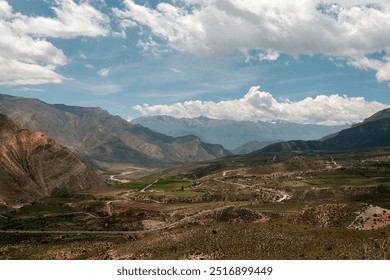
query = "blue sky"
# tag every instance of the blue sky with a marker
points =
(306, 61)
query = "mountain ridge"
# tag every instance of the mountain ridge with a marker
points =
(372, 132)
(383, 114)
(93, 133)
(233, 134)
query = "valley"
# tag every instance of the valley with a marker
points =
(317, 205)
(98, 187)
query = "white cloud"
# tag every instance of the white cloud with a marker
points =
(130, 118)
(259, 105)
(383, 73)
(104, 72)
(96, 88)
(269, 55)
(173, 69)
(27, 89)
(5, 9)
(72, 20)
(102, 89)
(27, 49)
(15, 72)
(349, 30)
(26, 57)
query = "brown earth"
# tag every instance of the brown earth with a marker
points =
(33, 165)
(371, 217)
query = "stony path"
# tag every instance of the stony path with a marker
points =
(148, 186)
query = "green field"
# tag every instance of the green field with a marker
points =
(171, 185)
(135, 184)
(172, 188)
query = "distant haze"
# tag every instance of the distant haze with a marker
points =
(232, 134)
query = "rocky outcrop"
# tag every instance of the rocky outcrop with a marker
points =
(33, 165)
(370, 218)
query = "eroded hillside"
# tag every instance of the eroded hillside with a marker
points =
(33, 166)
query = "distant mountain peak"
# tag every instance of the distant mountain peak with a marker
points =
(275, 121)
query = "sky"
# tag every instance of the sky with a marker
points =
(306, 61)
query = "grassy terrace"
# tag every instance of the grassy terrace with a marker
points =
(171, 185)
(172, 188)
(136, 184)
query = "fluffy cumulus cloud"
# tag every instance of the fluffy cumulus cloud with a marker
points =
(71, 20)
(259, 105)
(26, 56)
(350, 30)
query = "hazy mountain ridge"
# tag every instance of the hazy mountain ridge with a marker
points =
(253, 146)
(98, 136)
(372, 132)
(233, 134)
(33, 165)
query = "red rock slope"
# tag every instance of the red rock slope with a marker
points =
(33, 165)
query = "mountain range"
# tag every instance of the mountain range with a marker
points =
(234, 134)
(38, 151)
(33, 165)
(102, 139)
(372, 132)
